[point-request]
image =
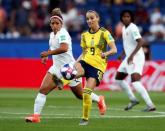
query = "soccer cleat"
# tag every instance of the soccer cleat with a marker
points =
(149, 108)
(131, 105)
(35, 118)
(83, 122)
(101, 105)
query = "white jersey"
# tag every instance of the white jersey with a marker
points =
(55, 40)
(130, 35)
(62, 36)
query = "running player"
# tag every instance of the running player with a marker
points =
(61, 51)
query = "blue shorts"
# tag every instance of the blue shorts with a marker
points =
(91, 71)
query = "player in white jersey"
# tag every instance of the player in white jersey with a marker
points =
(61, 51)
(133, 62)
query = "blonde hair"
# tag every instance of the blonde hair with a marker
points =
(93, 11)
(56, 11)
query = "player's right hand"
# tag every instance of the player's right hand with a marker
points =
(44, 60)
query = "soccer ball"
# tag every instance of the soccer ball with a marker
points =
(68, 71)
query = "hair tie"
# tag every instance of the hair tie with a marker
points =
(55, 16)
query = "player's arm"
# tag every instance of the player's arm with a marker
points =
(113, 50)
(140, 43)
(62, 49)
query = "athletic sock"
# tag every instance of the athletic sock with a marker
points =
(39, 103)
(87, 103)
(94, 97)
(143, 92)
(125, 86)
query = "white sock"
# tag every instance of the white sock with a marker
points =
(39, 103)
(143, 92)
(124, 85)
(95, 97)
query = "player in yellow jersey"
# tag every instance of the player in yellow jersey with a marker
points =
(93, 60)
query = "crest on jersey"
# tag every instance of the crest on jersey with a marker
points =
(110, 37)
(62, 37)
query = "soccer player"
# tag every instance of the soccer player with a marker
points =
(91, 64)
(133, 62)
(61, 51)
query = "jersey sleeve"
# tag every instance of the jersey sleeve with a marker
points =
(108, 37)
(83, 43)
(63, 37)
(135, 33)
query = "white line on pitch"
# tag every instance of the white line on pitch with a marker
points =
(96, 117)
(115, 109)
(62, 116)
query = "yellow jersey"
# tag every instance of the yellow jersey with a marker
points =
(93, 44)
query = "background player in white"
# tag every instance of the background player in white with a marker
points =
(61, 51)
(133, 62)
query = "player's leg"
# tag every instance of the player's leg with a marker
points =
(120, 76)
(87, 100)
(93, 77)
(47, 85)
(142, 91)
(77, 89)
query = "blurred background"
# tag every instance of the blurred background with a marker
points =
(30, 18)
(24, 33)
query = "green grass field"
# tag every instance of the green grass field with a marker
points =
(62, 112)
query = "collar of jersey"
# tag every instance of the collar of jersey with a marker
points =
(93, 32)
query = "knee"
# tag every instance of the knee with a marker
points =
(135, 77)
(44, 90)
(121, 76)
(79, 97)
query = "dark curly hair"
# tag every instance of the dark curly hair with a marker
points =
(129, 12)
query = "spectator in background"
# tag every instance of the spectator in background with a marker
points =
(3, 18)
(155, 15)
(157, 27)
(157, 30)
(36, 25)
(12, 33)
(73, 19)
(21, 18)
(118, 30)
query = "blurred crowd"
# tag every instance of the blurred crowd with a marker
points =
(30, 18)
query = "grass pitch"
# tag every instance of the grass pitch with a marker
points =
(62, 112)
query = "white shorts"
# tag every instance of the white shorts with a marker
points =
(56, 71)
(136, 67)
